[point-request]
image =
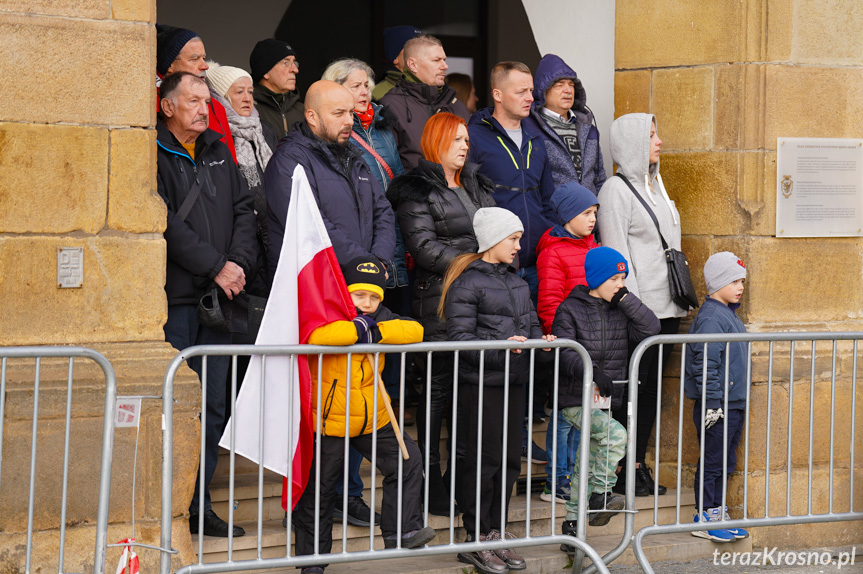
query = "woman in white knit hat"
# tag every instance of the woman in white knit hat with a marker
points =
(254, 142)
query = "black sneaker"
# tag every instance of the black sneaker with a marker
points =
(412, 539)
(570, 528)
(644, 481)
(604, 501)
(359, 513)
(213, 525)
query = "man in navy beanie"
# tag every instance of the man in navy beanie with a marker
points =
(182, 50)
(394, 51)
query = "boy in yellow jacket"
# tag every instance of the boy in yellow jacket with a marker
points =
(373, 324)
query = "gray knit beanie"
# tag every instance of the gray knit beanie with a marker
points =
(721, 269)
(494, 224)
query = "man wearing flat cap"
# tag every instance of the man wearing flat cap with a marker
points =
(274, 69)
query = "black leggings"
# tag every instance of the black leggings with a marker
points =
(647, 390)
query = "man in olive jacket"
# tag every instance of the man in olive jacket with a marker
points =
(210, 237)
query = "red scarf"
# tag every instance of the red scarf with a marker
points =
(367, 117)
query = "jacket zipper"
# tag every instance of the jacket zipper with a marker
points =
(328, 404)
(365, 403)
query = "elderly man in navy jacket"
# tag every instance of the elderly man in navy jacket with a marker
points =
(210, 236)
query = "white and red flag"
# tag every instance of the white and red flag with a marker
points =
(308, 291)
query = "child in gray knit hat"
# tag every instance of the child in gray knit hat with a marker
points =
(720, 395)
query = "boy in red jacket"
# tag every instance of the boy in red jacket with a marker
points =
(560, 265)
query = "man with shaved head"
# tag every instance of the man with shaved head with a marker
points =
(361, 225)
(421, 93)
(358, 217)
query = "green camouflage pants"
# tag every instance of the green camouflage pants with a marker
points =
(607, 447)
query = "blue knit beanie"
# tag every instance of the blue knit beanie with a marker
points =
(395, 38)
(572, 199)
(602, 263)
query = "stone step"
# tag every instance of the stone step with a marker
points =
(680, 547)
(540, 523)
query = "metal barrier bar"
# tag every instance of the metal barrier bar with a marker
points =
(703, 341)
(482, 347)
(70, 353)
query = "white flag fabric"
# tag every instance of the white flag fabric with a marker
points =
(308, 291)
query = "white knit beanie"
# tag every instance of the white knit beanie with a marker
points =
(221, 78)
(494, 224)
(721, 269)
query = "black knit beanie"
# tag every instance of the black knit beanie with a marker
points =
(365, 273)
(169, 43)
(266, 54)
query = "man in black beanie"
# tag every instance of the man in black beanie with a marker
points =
(274, 68)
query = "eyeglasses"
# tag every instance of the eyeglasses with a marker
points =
(290, 64)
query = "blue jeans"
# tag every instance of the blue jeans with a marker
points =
(714, 437)
(568, 437)
(355, 483)
(530, 275)
(183, 330)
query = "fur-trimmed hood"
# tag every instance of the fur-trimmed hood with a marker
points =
(419, 183)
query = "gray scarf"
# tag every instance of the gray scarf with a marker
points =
(249, 143)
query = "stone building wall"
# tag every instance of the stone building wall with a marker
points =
(78, 165)
(725, 79)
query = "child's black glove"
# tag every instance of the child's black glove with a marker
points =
(621, 293)
(367, 329)
(603, 383)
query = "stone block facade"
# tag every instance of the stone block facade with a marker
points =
(725, 80)
(78, 157)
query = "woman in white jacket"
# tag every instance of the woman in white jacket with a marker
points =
(625, 225)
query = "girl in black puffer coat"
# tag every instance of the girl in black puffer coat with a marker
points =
(435, 204)
(605, 319)
(483, 299)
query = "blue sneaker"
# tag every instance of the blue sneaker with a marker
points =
(715, 535)
(738, 533)
(537, 454)
(562, 494)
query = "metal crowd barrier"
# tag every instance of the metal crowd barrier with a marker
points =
(39, 353)
(449, 548)
(752, 517)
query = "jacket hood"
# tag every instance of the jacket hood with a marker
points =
(630, 146)
(557, 234)
(485, 117)
(551, 69)
(417, 184)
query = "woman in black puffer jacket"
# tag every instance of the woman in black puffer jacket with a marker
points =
(485, 300)
(435, 204)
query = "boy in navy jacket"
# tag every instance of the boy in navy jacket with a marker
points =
(723, 393)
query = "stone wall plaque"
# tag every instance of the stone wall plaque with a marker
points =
(819, 187)
(70, 267)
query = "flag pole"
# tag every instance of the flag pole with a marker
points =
(386, 399)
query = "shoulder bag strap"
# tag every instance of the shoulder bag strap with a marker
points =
(194, 192)
(647, 207)
(375, 154)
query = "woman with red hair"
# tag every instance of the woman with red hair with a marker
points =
(435, 204)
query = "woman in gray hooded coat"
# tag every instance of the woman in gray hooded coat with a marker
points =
(627, 227)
